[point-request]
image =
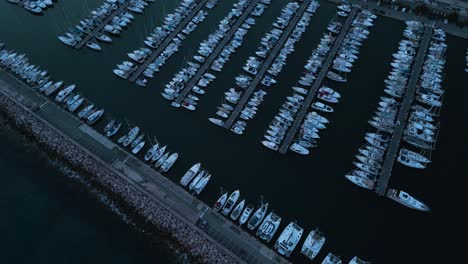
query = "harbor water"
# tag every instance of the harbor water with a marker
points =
(59, 221)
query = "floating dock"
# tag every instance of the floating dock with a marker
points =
(134, 76)
(212, 57)
(381, 183)
(97, 29)
(317, 82)
(266, 64)
(225, 234)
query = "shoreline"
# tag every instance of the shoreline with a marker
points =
(84, 182)
(199, 248)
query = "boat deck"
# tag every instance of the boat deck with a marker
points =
(266, 64)
(212, 57)
(134, 76)
(381, 183)
(97, 29)
(221, 231)
(317, 82)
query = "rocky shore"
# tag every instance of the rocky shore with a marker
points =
(192, 241)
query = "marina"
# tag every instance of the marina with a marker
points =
(119, 125)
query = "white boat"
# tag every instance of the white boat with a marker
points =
(167, 165)
(289, 239)
(236, 212)
(246, 214)
(94, 117)
(257, 217)
(132, 134)
(270, 145)
(269, 226)
(414, 156)
(64, 93)
(190, 174)
(356, 260)
(322, 107)
(331, 259)
(220, 202)
(138, 147)
(407, 200)
(313, 244)
(360, 181)
(299, 149)
(232, 200)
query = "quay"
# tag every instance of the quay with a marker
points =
(387, 11)
(317, 82)
(106, 21)
(167, 41)
(266, 64)
(402, 118)
(209, 61)
(152, 195)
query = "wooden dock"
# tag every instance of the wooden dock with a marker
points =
(97, 29)
(211, 58)
(266, 64)
(317, 82)
(134, 76)
(402, 118)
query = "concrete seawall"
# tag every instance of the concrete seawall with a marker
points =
(199, 247)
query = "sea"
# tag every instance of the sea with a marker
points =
(51, 214)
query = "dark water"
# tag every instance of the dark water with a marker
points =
(311, 190)
(57, 219)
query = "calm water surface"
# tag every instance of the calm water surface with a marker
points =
(310, 190)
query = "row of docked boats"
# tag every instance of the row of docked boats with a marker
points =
(156, 155)
(254, 63)
(266, 225)
(196, 78)
(278, 128)
(34, 6)
(195, 179)
(176, 27)
(349, 49)
(40, 81)
(347, 54)
(371, 155)
(115, 14)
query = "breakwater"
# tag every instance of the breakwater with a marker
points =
(52, 140)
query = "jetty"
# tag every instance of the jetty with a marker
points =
(209, 61)
(381, 183)
(317, 82)
(101, 25)
(134, 76)
(148, 191)
(266, 64)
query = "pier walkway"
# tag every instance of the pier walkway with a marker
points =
(170, 196)
(402, 118)
(209, 61)
(266, 64)
(134, 76)
(97, 29)
(317, 82)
